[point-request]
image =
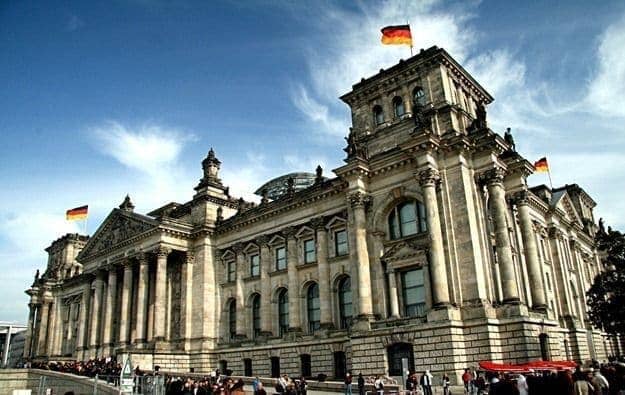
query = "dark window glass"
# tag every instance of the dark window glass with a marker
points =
(255, 265)
(232, 271)
(407, 218)
(314, 312)
(340, 242)
(545, 353)
(232, 319)
(340, 365)
(256, 315)
(418, 96)
(280, 258)
(345, 302)
(398, 106)
(413, 293)
(247, 367)
(306, 365)
(283, 311)
(396, 353)
(275, 367)
(309, 251)
(378, 115)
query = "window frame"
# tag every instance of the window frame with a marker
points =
(254, 261)
(419, 99)
(231, 271)
(312, 293)
(396, 222)
(313, 251)
(283, 311)
(420, 306)
(378, 115)
(345, 321)
(337, 251)
(398, 102)
(232, 319)
(278, 259)
(256, 328)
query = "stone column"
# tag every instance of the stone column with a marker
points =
(295, 321)
(239, 291)
(537, 288)
(7, 346)
(29, 330)
(125, 307)
(325, 300)
(52, 330)
(359, 255)
(160, 299)
(497, 196)
(43, 328)
(97, 310)
(428, 179)
(109, 308)
(265, 286)
(186, 295)
(392, 290)
(81, 342)
(142, 299)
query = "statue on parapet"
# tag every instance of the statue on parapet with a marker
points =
(509, 139)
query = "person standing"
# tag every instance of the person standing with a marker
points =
(302, 386)
(426, 383)
(521, 384)
(361, 384)
(466, 379)
(348, 383)
(445, 383)
(379, 385)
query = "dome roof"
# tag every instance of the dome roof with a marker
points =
(280, 185)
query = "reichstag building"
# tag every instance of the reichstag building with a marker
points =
(427, 244)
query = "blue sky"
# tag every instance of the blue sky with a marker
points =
(100, 99)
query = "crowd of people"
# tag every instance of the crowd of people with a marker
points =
(102, 367)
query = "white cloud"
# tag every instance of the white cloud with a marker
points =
(607, 87)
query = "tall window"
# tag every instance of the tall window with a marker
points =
(283, 311)
(275, 367)
(232, 319)
(247, 367)
(280, 258)
(340, 365)
(345, 302)
(407, 218)
(398, 106)
(256, 315)
(340, 242)
(314, 312)
(418, 96)
(232, 271)
(309, 251)
(413, 292)
(255, 265)
(378, 115)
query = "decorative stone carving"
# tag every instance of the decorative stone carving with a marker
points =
(120, 228)
(210, 166)
(289, 232)
(127, 205)
(162, 251)
(237, 248)
(317, 223)
(492, 176)
(428, 177)
(359, 199)
(262, 241)
(354, 149)
(520, 198)
(190, 257)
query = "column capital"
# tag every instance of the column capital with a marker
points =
(520, 198)
(492, 176)
(554, 232)
(318, 223)
(142, 257)
(190, 257)
(289, 232)
(162, 251)
(262, 241)
(428, 177)
(127, 264)
(359, 199)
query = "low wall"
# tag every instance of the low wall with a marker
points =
(31, 379)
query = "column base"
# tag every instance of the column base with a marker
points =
(541, 308)
(512, 301)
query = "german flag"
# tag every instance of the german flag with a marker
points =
(541, 165)
(397, 35)
(77, 213)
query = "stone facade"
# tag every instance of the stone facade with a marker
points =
(428, 244)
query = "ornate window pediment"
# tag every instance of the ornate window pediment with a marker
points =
(413, 251)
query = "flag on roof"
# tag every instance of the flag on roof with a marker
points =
(541, 165)
(397, 35)
(77, 213)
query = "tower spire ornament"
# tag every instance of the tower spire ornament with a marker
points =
(210, 166)
(127, 204)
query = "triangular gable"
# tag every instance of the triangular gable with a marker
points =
(119, 226)
(565, 204)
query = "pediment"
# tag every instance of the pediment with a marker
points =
(406, 251)
(118, 227)
(566, 205)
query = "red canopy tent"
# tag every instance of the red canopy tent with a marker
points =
(525, 367)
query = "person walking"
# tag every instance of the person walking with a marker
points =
(426, 383)
(466, 379)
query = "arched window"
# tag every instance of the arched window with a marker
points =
(398, 106)
(283, 311)
(418, 96)
(345, 303)
(232, 319)
(378, 115)
(407, 218)
(314, 311)
(256, 315)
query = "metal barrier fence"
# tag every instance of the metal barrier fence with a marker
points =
(145, 385)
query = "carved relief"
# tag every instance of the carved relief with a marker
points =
(429, 177)
(119, 229)
(492, 176)
(359, 199)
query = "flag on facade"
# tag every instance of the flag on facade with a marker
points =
(541, 165)
(77, 213)
(397, 35)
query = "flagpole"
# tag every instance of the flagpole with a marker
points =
(408, 23)
(549, 175)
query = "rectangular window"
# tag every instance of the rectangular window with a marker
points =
(413, 292)
(247, 367)
(232, 271)
(255, 265)
(280, 258)
(340, 242)
(309, 251)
